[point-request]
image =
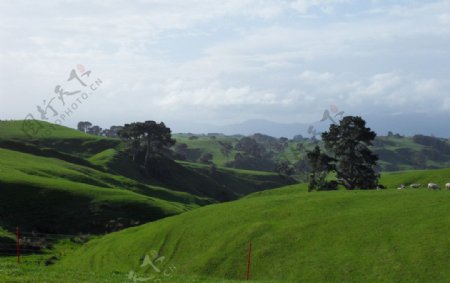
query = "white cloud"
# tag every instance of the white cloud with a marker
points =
(304, 6)
(252, 54)
(312, 77)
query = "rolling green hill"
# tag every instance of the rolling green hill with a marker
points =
(71, 182)
(395, 152)
(339, 236)
(55, 137)
(52, 195)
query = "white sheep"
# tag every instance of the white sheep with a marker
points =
(433, 186)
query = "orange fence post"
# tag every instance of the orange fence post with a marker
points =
(17, 244)
(249, 259)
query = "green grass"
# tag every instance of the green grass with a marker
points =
(15, 130)
(423, 177)
(55, 137)
(204, 144)
(46, 185)
(241, 182)
(54, 195)
(396, 153)
(70, 182)
(339, 236)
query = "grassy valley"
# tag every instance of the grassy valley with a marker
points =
(69, 181)
(395, 152)
(373, 236)
(198, 218)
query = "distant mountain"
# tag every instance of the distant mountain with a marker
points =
(404, 124)
(248, 127)
(270, 128)
(411, 124)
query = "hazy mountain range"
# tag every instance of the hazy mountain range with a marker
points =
(404, 124)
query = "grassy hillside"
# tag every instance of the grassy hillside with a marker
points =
(69, 181)
(55, 137)
(207, 144)
(423, 177)
(53, 195)
(240, 182)
(60, 183)
(340, 236)
(395, 152)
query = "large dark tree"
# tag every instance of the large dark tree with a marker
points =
(157, 138)
(181, 150)
(348, 143)
(150, 138)
(132, 136)
(321, 165)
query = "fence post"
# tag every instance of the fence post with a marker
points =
(249, 259)
(18, 244)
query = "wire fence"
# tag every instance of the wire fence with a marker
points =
(31, 251)
(35, 243)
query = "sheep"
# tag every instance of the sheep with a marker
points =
(401, 187)
(380, 187)
(415, 186)
(433, 186)
(447, 186)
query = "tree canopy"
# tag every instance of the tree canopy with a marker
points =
(348, 155)
(148, 139)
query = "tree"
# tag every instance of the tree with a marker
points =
(284, 168)
(206, 158)
(353, 161)
(84, 126)
(302, 169)
(94, 130)
(225, 148)
(321, 165)
(156, 137)
(131, 134)
(149, 137)
(181, 150)
(113, 131)
(299, 138)
(250, 147)
(253, 155)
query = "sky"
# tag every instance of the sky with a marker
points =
(222, 62)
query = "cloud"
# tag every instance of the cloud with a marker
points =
(228, 60)
(311, 77)
(326, 6)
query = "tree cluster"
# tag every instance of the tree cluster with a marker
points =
(146, 141)
(347, 155)
(88, 128)
(252, 155)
